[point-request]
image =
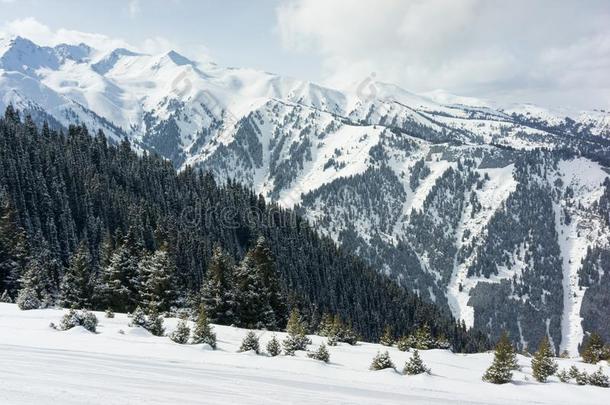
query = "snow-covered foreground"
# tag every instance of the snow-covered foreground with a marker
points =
(42, 366)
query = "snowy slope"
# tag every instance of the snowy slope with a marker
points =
(42, 365)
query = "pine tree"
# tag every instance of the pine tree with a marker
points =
(75, 286)
(382, 361)
(119, 279)
(297, 338)
(415, 365)
(203, 330)
(593, 349)
(405, 343)
(387, 339)
(260, 301)
(109, 313)
(218, 291)
(29, 296)
(156, 275)
(563, 375)
(423, 338)
(182, 333)
(138, 318)
(320, 354)
(250, 342)
(505, 361)
(543, 364)
(155, 323)
(13, 247)
(326, 325)
(599, 379)
(5, 298)
(273, 346)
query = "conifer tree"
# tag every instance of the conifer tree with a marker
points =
(563, 375)
(250, 342)
(423, 338)
(253, 307)
(273, 346)
(182, 333)
(405, 343)
(599, 379)
(297, 338)
(505, 361)
(29, 296)
(387, 339)
(75, 286)
(593, 349)
(138, 318)
(120, 277)
(155, 323)
(218, 291)
(543, 364)
(5, 298)
(415, 365)
(382, 361)
(203, 330)
(326, 325)
(321, 353)
(156, 275)
(13, 247)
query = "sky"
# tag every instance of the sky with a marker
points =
(550, 52)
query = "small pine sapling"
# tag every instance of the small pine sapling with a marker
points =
(203, 330)
(543, 364)
(415, 365)
(273, 347)
(320, 354)
(109, 313)
(382, 361)
(387, 339)
(182, 333)
(599, 379)
(250, 342)
(505, 361)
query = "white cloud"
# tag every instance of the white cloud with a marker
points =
(534, 50)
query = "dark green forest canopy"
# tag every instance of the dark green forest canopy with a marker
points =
(61, 190)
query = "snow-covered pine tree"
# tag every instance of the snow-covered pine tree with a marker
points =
(593, 349)
(505, 361)
(28, 296)
(543, 364)
(250, 342)
(109, 313)
(155, 323)
(387, 339)
(182, 333)
(138, 318)
(156, 275)
(218, 290)
(326, 325)
(82, 318)
(563, 375)
(120, 278)
(13, 247)
(75, 286)
(415, 365)
(321, 353)
(382, 361)
(599, 379)
(5, 298)
(203, 332)
(405, 343)
(260, 301)
(297, 338)
(423, 338)
(273, 346)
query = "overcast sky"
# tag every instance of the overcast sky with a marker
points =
(550, 52)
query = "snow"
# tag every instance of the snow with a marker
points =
(43, 365)
(584, 231)
(494, 192)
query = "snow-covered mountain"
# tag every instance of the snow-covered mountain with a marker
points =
(450, 197)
